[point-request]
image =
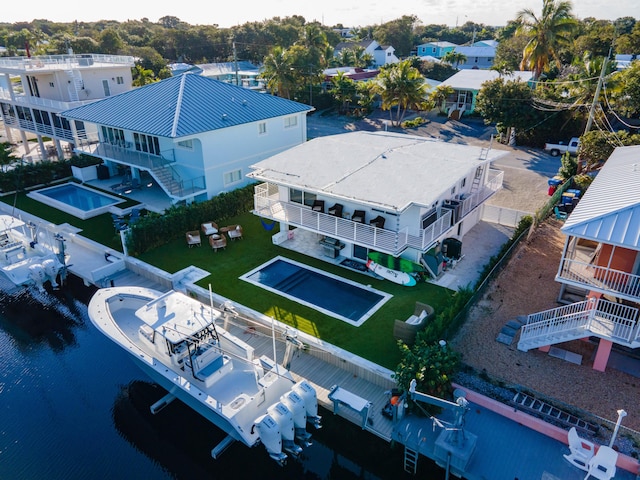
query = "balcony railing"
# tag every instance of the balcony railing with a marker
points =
(602, 318)
(606, 280)
(493, 184)
(51, 105)
(268, 205)
(63, 62)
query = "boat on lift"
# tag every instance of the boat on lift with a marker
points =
(24, 260)
(178, 342)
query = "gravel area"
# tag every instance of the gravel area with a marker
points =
(525, 286)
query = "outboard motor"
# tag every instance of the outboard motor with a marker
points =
(295, 404)
(37, 275)
(308, 394)
(51, 269)
(271, 438)
(284, 418)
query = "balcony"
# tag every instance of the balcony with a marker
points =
(61, 62)
(268, 205)
(601, 318)
(39, 102)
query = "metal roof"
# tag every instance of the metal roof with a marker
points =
(389, 170)
(184, 105)
(473, 79)
(609, 212)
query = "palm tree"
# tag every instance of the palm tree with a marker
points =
(452, 57)
(439, 96)
(142, 76)
(278, 72)
(343, 90)
(546, 34)
(401, 85)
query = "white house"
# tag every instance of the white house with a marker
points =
(193, 136)
(382, 54)
(33, 92)
(477, 57)
(377, 191)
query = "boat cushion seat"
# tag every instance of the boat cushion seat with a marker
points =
(209, 365)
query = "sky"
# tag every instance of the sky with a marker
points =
(350, 13)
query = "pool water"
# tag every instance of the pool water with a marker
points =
(79, 201)
(335, 296)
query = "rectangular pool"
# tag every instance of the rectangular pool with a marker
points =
(330, 294)
(77, 200)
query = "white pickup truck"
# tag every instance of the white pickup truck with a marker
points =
(556, 149)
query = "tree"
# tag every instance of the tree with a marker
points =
(626, 94)
(546, 34)
(398, 33)
(278, 72)
(142, 76)
(430, 364)
(568, 165)
(439, 96)
(452, 57)
(343, 90)
(6, 155)
(366, 95)
(110, 41)
(401, 86)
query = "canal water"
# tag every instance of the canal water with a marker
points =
(74, 406)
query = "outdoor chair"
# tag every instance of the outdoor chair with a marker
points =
(193, 238)
(336, 210)
(217, 242)
(135, 216)
(559, 215)
(581, 451)
(358, 216)
(377, 222)
(209, 228)
(318, 206)
(234, 231)
(603, 465)
(408, 329)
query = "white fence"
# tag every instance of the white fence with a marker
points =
(502, 215)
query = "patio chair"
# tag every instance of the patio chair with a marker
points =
(559, 215)
(408, 329)
(603, 465)
(193, 238)
(234, 231)
(318, 206)
(581, 451)
(209, 228)
(358, 216)
(377, 222)
(135, 216)
(336, 210)
(217, 242)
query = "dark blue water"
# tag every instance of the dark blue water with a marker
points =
(342, 298)
(74, 406)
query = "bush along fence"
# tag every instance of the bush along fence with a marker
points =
(23, 176)
(154, 230)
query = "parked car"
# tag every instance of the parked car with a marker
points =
(556, 149)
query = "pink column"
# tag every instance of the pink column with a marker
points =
(545, 348)
(602, 355)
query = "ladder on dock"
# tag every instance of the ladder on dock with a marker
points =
(410, 460)
(549, 412)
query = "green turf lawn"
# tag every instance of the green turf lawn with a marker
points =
(373, 340)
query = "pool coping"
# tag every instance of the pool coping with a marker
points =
(71, 210)
(356, 323)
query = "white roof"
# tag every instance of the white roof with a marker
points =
(384, 169)
(610, 209)
(473, 79)
(429, 58)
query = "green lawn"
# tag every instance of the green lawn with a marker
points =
(372, 340)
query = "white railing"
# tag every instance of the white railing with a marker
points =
(502, 215)
(493, 184)
(606, 280)
(53, 105)
(63, 61)
(267, 204)
(605, 319)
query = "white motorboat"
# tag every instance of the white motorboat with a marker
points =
(24, 260)
(176, 341)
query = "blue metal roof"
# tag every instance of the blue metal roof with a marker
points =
(184, 105)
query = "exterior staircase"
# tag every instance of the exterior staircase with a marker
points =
(75, 84)
(548, 412)
(601, 318)
(166, 179)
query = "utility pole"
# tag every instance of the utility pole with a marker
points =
(235, 62)
(592, 112)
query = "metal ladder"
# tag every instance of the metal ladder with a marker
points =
(410, 460)
(548, 411)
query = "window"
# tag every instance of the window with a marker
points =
(186, 144)
(429, 218)
(232, 177)
(105, 86)
(51, 84)
(114, 136)
(147, 143)
(290, 122)
(304, 198)
(453, 190)
(433, 49)
(120, 80)
(463, 183)
(262, 128)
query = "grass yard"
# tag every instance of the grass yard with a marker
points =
(373, 340)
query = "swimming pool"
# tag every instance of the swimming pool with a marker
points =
(330, 294)
(77, 200)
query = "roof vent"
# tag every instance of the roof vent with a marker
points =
(244, 102)
(225, 116)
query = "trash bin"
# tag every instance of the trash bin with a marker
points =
(555, 181)
(552, 190)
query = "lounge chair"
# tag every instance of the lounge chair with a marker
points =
(217, 241)
(559, 215)
(581, 451)
(336, 210)
(193, 238)
(603, 465)
(408, 329)
(377, 222)
(318, 206)
(209, 228)
(358, 216)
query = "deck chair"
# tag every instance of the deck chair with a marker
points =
(358, 216)
(559, 215)
(217, 242)
(209, 228)
(193, 238)
(406, 330)
(318, 206)
(377, 222)
(603, 465)
(336, 210)
(581, 451)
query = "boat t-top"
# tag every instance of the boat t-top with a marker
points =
(179, 343)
